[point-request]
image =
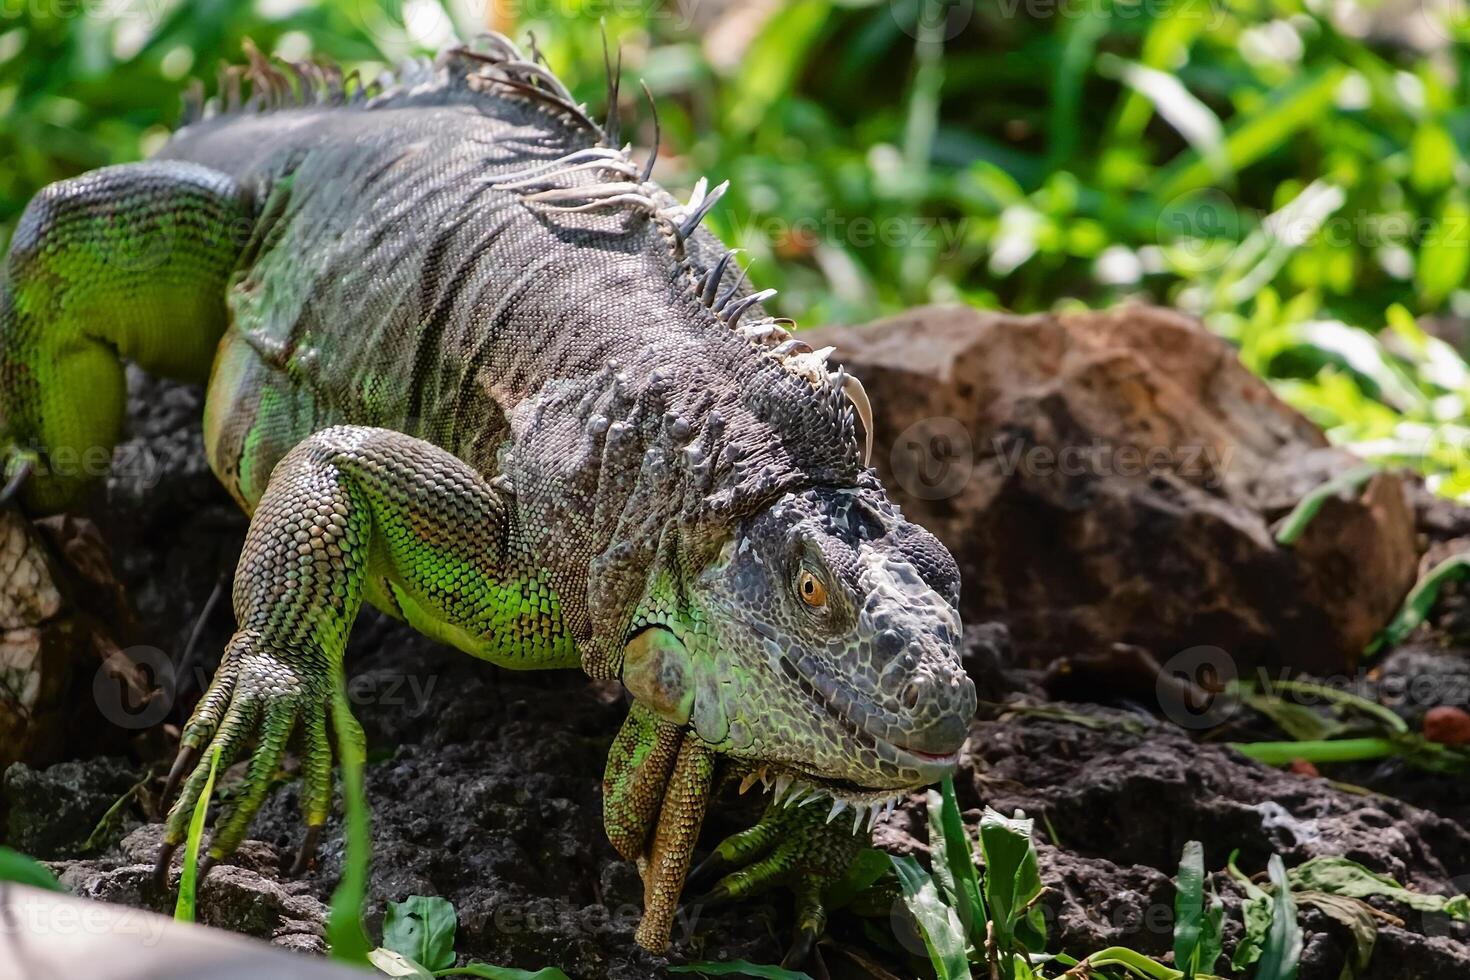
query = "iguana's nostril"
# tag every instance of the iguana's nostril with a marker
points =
(911, 693)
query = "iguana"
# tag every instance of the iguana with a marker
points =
(468, 363)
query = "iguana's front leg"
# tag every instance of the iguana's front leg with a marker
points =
(124, 262)
(347, 505)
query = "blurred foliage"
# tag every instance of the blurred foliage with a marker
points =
(1293, 171)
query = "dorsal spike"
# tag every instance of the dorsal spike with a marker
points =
(719, 303)
(687, 226)
(735, 311)
(612, 128)
(193, 99)
(715, 276)
(658, 135)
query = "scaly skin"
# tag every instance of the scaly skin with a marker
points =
(467, 365)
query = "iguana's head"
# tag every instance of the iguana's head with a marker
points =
(820, 647)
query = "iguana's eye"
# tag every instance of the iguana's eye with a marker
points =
(811, 590)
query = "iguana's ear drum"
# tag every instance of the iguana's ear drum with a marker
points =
(659, 672)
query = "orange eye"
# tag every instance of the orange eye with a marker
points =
(813, 592)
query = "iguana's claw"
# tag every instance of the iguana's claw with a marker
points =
(19, 474)
(307, 852)
(801, 948)
(160, 866)
(706, 870)
(187, 758)
(256, 697)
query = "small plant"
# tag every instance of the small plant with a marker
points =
(184, 908)
(994, 928)
(1357, 730)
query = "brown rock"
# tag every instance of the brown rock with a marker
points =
(1114, 477)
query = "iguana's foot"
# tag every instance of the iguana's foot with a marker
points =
(805, 848)
(260, 696)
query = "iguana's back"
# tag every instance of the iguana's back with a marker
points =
(394, 279)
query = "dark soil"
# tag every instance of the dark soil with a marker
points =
(485, 787)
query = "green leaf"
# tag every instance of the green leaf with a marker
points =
(1421, 600)
(870, 865)
(489, 972)
(1306, 509)
(422, 928)
(1292, 108)
(26, 870)
(1339, 876)
(391, 963)
(939, 925)
(772, 61)
(1432, 158)
(1012, 882)
(954, 864)
(1282, 953)
(1196, 930)
(740, 968)
(184, 908)
(1357, 916)
(1445, 258)
(1256, 916)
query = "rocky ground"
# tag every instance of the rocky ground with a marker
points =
(485, 784)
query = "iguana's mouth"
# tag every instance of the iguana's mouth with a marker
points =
(841, 704)
(798, 785)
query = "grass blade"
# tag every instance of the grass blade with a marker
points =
(184, 908)
(1340, 750)
(955, 860)
(1282, 953)
(1301, 515)
(1262, 132)
(345, 934)
(1189, 906)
